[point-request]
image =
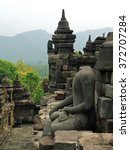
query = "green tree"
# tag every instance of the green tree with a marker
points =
(38, 93)
(7, 68)
(30, 81)
(22, 68)
(33, 83)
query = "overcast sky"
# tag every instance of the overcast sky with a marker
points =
(24, 15)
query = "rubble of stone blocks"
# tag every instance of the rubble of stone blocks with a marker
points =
(77, 140)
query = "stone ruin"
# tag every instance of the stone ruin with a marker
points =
(24, 107)
(104, 86)
(6, 109)
(15, 106)
(64, 64)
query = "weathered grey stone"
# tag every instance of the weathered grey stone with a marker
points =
(46, 143)
(52, 89)
(60, 95)
(58, 67)
(51, 61)
(6, 114)
(73, 68)
(107, 90)
(65, 146)
(96, 141)
(89, 48)
(83, 140)
(38, 122)
(105, 60)
(44, 101)
(98, 75)
(69, 93)
(73, 73)
(50, 47)
(106, 76)
(65, 67)
(67, 87)
(65, 62)
(106, 125)
(73, 61)
(61, 85)
(45, 85)
(58, 75)
(112, 78)
(59, 62)
(53, 57)
(24, 107)
(98, 88)
(66, 136)
(105, 108)
(64, 55)
(65, 74)
(69, 80)
(47, 127)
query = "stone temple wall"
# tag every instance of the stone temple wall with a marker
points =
(6, 110)
(104, 86)
(24, 107)
(15, 106)
(62, 70)
(64, 63)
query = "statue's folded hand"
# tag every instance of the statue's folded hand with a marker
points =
(63, 116)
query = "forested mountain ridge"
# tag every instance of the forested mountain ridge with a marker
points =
(31, 46)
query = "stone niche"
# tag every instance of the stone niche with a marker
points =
(24, 107)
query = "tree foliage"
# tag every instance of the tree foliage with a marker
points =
(28, 77)
(22, 68)
(7, 68)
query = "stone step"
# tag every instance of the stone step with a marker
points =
(12, 148)
(15, 148)
(14, 143)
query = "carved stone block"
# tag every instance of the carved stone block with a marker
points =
(105, 108)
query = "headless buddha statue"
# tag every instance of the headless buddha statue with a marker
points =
(77, 111)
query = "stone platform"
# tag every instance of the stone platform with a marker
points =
(68, 140)
(77, 140)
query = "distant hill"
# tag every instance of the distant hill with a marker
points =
(31, 46)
